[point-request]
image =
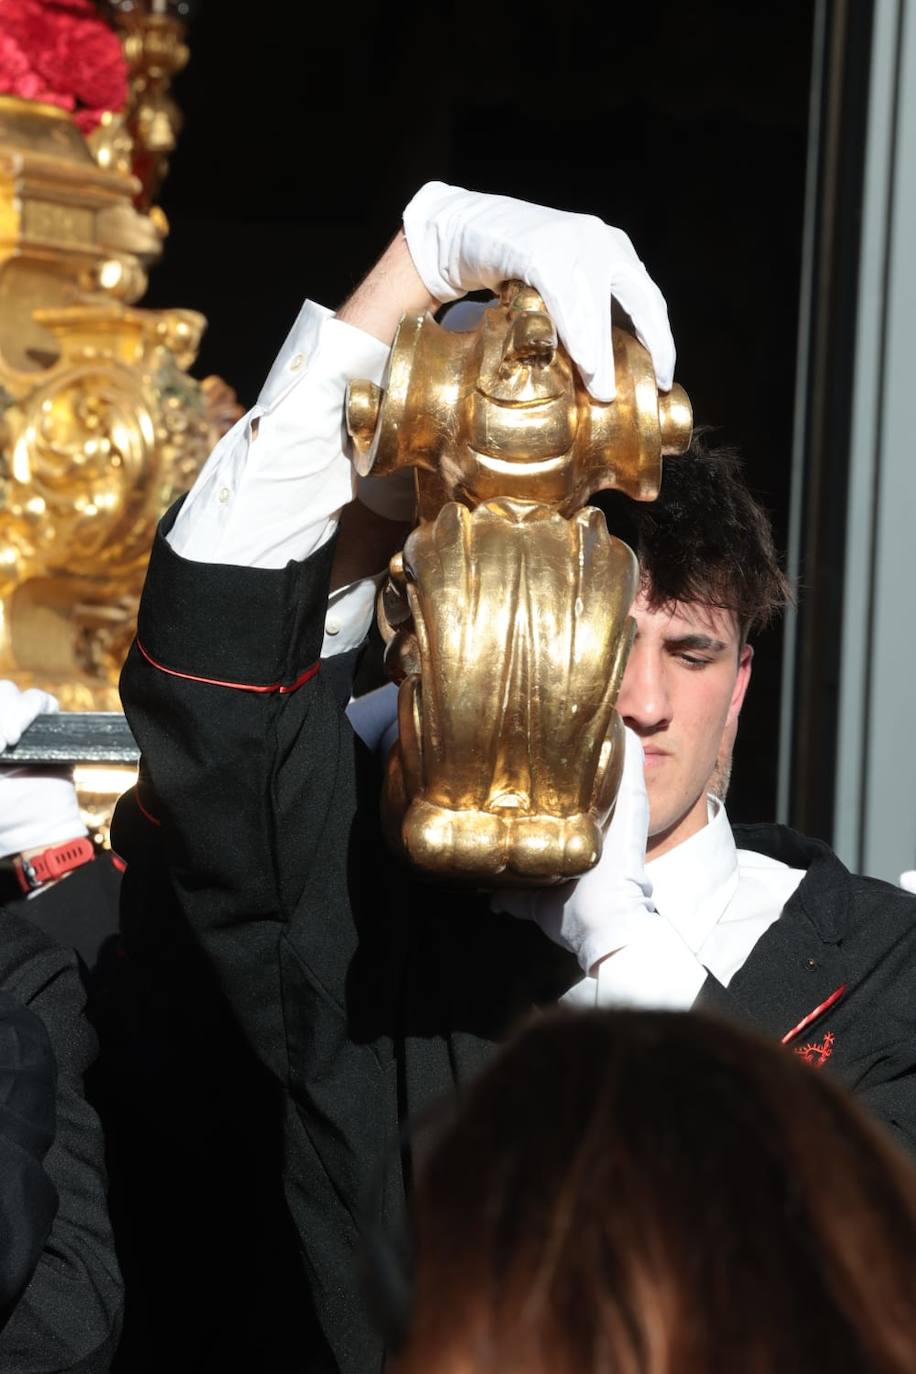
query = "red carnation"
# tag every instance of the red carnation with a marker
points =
(63, 53)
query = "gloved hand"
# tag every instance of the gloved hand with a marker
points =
(38, 806)
(605, 909)
(19, 708)
(908, 880)
(462, 240)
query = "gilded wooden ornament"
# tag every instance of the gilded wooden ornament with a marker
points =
(506, 616)
(100, 425)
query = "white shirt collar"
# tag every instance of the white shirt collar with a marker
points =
(695, 881)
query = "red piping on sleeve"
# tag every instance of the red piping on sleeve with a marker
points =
(813, 1015)
(153, 820)
(283, 688)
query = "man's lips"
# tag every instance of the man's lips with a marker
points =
(654, 757)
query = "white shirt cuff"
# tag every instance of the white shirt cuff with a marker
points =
(273, 486)
(350, 612)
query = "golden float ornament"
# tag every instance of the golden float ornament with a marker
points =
(506, 617)
(101, 425)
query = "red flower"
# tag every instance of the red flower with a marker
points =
(63, 53)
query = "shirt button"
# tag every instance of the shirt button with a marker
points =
(332, 627)
(296, 362)
(224, 494)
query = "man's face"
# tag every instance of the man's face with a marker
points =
(682, 691)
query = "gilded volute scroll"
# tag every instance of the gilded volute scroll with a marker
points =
(506, 617)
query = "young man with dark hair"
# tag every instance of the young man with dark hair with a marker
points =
(366, 994)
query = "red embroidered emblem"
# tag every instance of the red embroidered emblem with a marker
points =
(817, 1053)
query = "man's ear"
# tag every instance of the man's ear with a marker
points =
(742, 680)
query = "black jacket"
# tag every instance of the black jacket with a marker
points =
(846, 945)
(82, 912)
(367, 995)
(28, 1199)
(69, 1316)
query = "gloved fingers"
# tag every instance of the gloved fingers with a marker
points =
(627, 834)
(461, 240)
(578, 290)
(635, 290)
(634, 763)
(19, 708)
(584, 264)
(583, 328)
(434, 232)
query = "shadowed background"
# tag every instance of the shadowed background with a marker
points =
(308, 128)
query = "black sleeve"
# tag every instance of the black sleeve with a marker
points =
(247, 772)
(28, 1199)
(266, 807)
(69, 1317)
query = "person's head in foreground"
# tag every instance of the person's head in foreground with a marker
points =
(710, 576)
(658, 1193)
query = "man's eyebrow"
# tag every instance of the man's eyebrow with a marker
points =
(695, 641)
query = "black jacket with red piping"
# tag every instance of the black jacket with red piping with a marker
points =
(367, 995)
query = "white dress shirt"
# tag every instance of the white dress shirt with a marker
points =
(273, 487)
(715, 902)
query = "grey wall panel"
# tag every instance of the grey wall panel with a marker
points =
(875, 804)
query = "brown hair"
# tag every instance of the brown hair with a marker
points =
(658, 1193)
(705, 539)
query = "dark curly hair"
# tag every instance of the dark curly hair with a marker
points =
(706, 539)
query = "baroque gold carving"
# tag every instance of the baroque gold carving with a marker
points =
(155, 49)
(57, 223)
(506, 616)
(100, 424)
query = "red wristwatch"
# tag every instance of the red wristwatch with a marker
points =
(51, 863)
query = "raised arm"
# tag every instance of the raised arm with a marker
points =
(265, 804)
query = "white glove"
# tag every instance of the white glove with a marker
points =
(608, 907)
(38, 807)
(462, 240)
(908, 880)
(18, 709)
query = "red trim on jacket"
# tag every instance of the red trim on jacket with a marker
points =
(283, 688)
(813, 1015)
(153, 820)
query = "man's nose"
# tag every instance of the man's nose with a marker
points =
(644, 701)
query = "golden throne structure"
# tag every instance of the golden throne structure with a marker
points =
(101, 423)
